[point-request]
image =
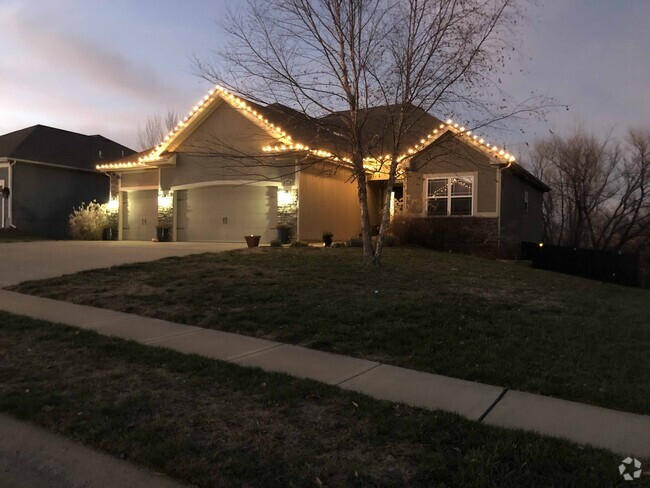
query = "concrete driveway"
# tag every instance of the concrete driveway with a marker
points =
(22, 261)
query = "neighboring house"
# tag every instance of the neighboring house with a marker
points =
(233, 168)
(46, 172)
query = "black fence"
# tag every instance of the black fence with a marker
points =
(614, 267)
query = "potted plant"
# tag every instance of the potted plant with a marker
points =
(327, 238)
(163, 233)
(165, 216)
(252, 240)
(284, 233)
(164, 227)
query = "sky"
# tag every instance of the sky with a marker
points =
(105, 66)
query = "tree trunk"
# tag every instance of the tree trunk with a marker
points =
(366, 230)
(385, 217)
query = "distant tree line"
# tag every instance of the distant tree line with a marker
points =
(600, 196)
(155, 129)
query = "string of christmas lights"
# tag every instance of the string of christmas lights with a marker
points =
(285, 141)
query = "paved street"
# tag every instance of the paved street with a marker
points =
(31, 457)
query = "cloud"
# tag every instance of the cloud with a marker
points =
(43, 48)
(57, 71)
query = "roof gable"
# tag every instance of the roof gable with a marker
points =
(263, 117)
(294, 131)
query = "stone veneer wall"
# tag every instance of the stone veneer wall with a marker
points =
(288, 213)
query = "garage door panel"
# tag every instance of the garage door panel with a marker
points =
(226, 213)
(140, 215)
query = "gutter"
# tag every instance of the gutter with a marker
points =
(39, 163)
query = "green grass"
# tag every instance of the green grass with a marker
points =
(466, 317)
(210, 423)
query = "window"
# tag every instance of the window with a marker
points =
(450, 196)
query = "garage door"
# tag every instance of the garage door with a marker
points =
(140, 215)
(226, 213)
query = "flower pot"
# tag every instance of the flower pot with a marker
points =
(163, 234)
(252, 241)
(109, 234)
(284, 234)
(327, 240)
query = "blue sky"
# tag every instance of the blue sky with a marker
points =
(104, 66)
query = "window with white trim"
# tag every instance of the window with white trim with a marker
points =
(450, 196)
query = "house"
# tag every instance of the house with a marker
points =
(233, 168)
(46, 172)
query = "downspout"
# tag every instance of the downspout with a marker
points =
(498, 212)
(297, 185)
(10, 202)
(499, 190)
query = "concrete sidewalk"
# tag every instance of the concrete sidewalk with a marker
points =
(31, 457)
(621, 432)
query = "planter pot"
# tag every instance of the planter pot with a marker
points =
(109, 234)
(252, 241)
(164, 234)
(327, 240)
(284, 234)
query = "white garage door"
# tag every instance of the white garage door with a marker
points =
(140, 215)
(226, 213)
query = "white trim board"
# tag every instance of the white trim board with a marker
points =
(138, 188)
(203, 184)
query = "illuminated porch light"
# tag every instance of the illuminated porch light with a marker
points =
(286, 197)
(165, 200)
(113, 205)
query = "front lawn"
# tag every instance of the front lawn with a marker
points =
(461, 316)
(211, 423)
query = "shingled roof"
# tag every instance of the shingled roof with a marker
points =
(294, 131)
(61, 147)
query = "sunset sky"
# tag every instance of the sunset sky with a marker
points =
(104, 66)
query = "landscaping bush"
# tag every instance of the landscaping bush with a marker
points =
(354, 242)
(299, 244)
(338, 244)
(389, 240)
(468, 235)
(89, 221)
(276, 243)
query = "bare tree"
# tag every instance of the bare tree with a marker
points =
(155, 129)
(601, 189)
(337, 59)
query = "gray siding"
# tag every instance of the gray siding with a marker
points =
(140, 179)
(225, 147)
(44, 197)
(451, 156)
